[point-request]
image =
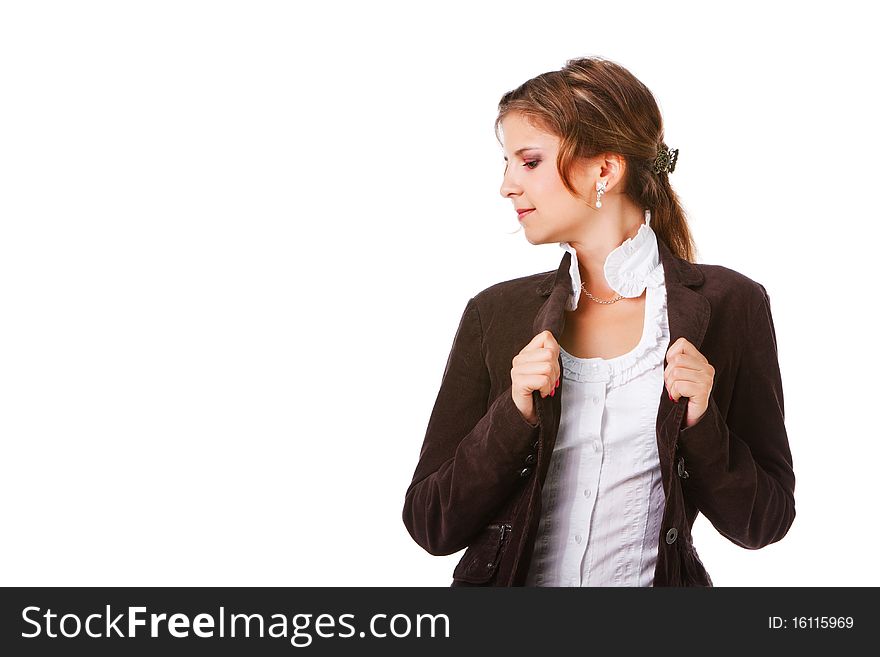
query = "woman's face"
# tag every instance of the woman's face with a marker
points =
(532, 181)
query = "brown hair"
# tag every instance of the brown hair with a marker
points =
(594, 105)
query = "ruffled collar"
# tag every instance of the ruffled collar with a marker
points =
(629, 268)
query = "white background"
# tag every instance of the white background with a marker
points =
(237, 239)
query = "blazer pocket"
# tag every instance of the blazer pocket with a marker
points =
(480, 561)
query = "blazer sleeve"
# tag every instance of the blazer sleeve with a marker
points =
(739, 468)
(473, 450)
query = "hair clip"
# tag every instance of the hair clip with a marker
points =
(665, 160)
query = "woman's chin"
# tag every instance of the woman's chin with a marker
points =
(533, 238)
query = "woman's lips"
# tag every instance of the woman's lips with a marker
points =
(524, 213)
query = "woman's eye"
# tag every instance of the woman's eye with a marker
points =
(535, 162)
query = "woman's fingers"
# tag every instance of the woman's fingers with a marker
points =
(537, 366)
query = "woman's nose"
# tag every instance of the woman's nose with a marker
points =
(508, 186)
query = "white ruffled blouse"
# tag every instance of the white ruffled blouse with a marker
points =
(603, 497)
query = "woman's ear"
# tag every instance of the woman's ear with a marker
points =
(613, 169)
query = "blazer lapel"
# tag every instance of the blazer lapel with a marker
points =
(688, 311)
(556, 285)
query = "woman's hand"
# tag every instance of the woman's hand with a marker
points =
(536, 367)
(689, 374)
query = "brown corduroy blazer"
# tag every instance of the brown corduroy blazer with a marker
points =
(477, 484)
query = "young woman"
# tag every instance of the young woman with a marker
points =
(587, 415)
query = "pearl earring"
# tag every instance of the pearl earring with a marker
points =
(600, 189)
